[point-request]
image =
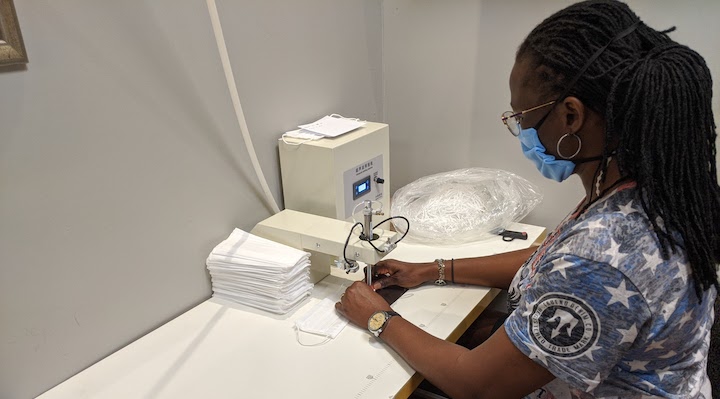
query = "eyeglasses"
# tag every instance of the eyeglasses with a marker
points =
(512, 120)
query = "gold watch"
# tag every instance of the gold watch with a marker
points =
(378, 321)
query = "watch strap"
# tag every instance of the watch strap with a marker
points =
(389, 314)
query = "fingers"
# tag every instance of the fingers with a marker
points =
(359, 290)
(359, 302)
(339, 307)
(381, 268)
(384, 281)
(355, 286)
(380, 283)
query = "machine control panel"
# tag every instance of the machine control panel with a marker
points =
(363, 182)
(361, 188)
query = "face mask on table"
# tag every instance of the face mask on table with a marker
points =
(321, 320)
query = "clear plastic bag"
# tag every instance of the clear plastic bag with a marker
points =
(463, 205)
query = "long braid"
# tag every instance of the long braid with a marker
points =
(655, 96)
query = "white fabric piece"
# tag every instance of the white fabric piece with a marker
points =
(333, 125)
(259, 273)
(323, 320)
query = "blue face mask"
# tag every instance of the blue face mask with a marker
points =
(533, 149)
(551, 168)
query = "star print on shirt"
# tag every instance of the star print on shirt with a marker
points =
(620, 294)
(603, 208)
(589, 352)
(627, 208)
(653, 261)
(595, 224)
(638, 365)
(593, 383)
(610, 267)
(663, 372)
(628, 335)
(687, 316)
(655, 345)
(614, 247)
(648, 384)
(682, 275)
(560, 267)
(698, 357)
(538, 354)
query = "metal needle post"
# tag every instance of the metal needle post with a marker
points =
(368, 233)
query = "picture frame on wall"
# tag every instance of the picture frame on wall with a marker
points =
(12, 48)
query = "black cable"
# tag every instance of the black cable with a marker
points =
(396, 217)
(369, 239)
(376, 248)
(348, 241)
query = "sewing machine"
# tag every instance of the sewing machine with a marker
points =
(325, 184)
(328, 240)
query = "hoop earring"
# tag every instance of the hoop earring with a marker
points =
(557, 147)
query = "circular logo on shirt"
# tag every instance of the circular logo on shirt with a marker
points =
(563, 325)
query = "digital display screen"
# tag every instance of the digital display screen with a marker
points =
(361, 188)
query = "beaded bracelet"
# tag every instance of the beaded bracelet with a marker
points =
(441, 272)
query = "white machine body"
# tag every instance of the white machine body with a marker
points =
(331, 176)
(323, 237)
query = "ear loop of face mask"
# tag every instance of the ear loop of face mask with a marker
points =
(599, 175)
(605, 157)
(580, 73)
(327, 337)
(323, 342)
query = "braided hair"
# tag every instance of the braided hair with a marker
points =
(655, 96)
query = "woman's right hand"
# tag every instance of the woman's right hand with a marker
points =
(404, 274)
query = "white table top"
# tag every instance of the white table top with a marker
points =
(221, 349)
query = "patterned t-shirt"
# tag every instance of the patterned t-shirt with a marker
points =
(599, 307)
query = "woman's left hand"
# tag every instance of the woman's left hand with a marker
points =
(359, 302)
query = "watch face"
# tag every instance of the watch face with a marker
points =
(376, 321)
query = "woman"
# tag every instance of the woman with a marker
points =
(617, 302)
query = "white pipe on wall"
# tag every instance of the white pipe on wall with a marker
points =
(222, 48)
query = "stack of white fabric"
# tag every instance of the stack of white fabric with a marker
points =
(260, 273)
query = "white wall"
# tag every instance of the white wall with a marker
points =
(446, 68)
(121, 163)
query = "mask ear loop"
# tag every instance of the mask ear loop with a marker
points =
(284, 137)
(584, 68)
(599, 170)
(327, 337)
(297, 337)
